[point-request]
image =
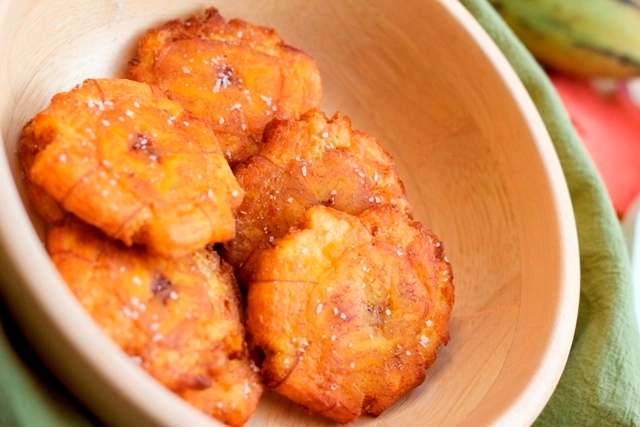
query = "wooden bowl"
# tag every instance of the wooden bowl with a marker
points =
(427, 82)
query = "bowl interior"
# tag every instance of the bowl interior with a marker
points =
(475, 158)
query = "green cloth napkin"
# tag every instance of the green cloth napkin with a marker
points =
(29, 394)
(601, 382)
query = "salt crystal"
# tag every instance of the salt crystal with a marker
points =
(424, 340)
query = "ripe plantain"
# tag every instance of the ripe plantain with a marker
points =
(594, 38)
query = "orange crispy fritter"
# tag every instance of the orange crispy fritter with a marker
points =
(123, 157)
(235, 74)
(45, 205)
(178, 319)
(349, 311)
(303, 163)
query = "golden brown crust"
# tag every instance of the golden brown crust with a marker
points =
(349, 311)
(45, 205)
(178, 319)
(122, 156)
(237, 75)
(303, 163)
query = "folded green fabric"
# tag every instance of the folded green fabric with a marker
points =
(601, 382)
(29, 395)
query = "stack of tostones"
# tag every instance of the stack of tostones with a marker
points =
(152, 179)
(217, 140)
(303, 163)
(349, 297)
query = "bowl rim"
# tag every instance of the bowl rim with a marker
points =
(20, 253)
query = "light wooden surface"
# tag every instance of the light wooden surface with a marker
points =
(421, 76)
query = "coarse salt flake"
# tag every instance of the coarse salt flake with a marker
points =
(266, 99)
(424, 340)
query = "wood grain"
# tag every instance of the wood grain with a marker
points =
(427, 82)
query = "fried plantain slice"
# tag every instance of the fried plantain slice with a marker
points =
(303, 163)
(45, 205)
(179, 319)
(235, 74)
(349, 311)
(123, 157)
